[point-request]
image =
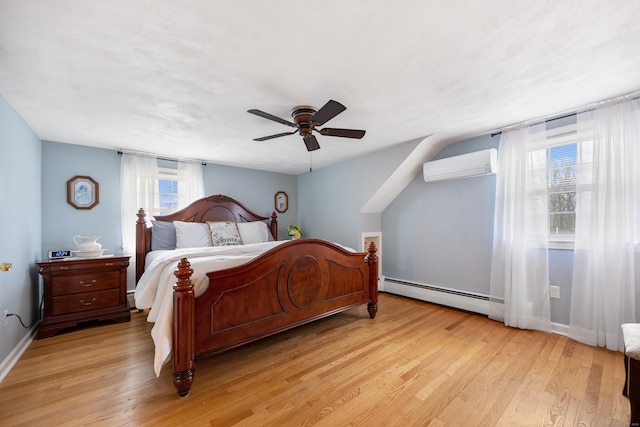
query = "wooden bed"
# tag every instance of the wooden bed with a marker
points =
(292, 284)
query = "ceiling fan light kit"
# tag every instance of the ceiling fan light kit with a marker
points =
(306, 119)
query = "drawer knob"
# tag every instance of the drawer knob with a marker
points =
(87, 303)
(64, 268)
(82, 283)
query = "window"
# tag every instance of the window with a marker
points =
(561, 185)
(167, 191)
(563, 154)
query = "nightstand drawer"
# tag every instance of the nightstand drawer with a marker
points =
(63, 285)
(75, 303)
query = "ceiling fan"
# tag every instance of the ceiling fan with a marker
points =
(305, 120)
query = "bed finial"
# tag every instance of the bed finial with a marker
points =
(141, 242)
(141, 216)
(274, 225)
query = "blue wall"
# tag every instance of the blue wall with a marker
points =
(442, 234)
(330, 199)
(256, 189)
(61, 221)
(20, 234)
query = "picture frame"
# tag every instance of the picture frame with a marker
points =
(83, 192)
(281, 201)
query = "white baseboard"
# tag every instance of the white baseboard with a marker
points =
(9, 362)
(463, 300)
(560, 329)
(469, 301)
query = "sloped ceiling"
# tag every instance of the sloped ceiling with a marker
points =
(176, 78)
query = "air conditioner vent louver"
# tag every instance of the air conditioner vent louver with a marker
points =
(463, 166)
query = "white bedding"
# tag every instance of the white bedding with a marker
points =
(155, 287)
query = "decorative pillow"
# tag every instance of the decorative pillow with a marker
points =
(192, 234)
(163, 235)
(224, 233)
(253, 232)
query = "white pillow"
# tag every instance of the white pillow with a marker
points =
(253, 232)
(224, 233)
(192, 234)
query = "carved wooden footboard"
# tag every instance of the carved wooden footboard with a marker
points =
(293, 284)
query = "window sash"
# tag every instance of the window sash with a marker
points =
(167, 191)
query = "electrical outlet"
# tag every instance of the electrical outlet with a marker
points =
(5, 316)
(554, 291)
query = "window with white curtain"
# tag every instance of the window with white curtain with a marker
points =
(560, 157)
(581, 183)
(141, 182)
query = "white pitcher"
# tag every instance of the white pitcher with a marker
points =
(87, 243)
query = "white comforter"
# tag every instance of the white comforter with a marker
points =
(155, 287)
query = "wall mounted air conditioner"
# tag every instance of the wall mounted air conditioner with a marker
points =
(463, 166)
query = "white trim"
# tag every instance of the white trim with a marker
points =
(463, 300)
(12, 358)
(560, 244)
(560, 329)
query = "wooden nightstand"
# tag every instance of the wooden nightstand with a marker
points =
(81, 289)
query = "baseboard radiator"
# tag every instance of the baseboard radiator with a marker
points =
(464, 300)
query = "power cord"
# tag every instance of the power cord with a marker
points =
(20, 318)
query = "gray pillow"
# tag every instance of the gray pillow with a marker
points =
(163, 235)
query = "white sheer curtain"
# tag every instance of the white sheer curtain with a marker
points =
(520, 267)
(138, 189)
(190, 183)
(605, 273)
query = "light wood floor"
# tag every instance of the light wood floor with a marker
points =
(416, 364)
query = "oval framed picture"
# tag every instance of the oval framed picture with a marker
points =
(82, 192)
(281, 201)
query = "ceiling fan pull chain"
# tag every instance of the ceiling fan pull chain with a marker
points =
(310, 168)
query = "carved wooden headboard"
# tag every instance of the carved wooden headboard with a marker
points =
(211, 208)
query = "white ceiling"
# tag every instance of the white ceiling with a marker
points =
(176, 77)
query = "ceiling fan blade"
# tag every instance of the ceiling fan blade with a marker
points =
(327, 112)
(311, 142)
(345, 133)
(278, 135)
(271, 117)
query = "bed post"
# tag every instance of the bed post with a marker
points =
(372, 261)
(141, 243)
(183, 329)
(274, 225)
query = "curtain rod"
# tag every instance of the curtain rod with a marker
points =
(589, 107)
(543, 121)
(177, 159)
